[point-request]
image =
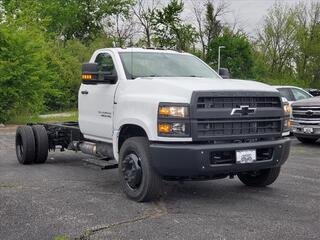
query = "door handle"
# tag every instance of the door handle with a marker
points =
(84, 92)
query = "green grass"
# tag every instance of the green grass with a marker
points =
(60, 238)
(7, 186)
(36, 119)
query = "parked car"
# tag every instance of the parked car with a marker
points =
(306, 120)
(293, 94)
(314, 92)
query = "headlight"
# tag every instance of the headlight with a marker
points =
(287, 109)
(287, 114)
(173, 120)
(173, 111)
(286, 124)
(177, 129)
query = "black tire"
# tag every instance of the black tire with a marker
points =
(307, 140)
(42, 143)
(146, 185)
(25, 145)
(260, 178)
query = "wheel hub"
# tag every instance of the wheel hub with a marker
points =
(132, 171)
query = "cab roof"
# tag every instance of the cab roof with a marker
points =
(144, 50)
(283, 86)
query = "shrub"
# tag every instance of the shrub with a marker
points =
(22, 71)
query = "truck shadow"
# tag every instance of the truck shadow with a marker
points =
(213, 191)
(225, 190)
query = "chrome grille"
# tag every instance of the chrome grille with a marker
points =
(306, 112)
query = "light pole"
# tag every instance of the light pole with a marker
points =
(219, 56)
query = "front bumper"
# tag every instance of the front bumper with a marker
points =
(195, 160)
(298, 129)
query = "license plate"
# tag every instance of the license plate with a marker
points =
(246, 156)
(308, 130)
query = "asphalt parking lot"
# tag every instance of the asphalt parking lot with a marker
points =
(66, 197)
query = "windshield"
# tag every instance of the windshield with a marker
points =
(154, 64)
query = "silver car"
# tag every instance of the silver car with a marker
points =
(293, 94)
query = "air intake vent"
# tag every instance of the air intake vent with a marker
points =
(209, 128)
(233, 102)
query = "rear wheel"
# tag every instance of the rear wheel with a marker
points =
(25, 145)
(41, 143)
(138, 179)
(260, 178)
(307, 140)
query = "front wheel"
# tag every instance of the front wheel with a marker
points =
(260, 178)
(138, 179)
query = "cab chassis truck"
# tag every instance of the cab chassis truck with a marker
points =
(166, 115)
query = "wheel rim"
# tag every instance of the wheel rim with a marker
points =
(19, 147)
(132, 170)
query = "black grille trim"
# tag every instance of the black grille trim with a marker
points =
(215, 123)
(234, 102)
(209, 128)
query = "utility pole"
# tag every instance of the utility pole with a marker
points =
(219, 56)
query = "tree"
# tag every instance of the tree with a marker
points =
(145, 14)
(71, 19)
(41, 52)
(1, 12)
(208, 18)
(237, 56)
(307, 54)
(22, 70)
(122, 28)
(119, 22)
(276, 40)
(169, 29)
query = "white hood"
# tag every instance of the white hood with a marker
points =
(180, 89)
(206, 84)
(138, 100)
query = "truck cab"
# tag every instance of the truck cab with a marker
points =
(166, 115)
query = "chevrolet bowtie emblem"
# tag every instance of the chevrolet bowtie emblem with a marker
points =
(309, 112)
(243, 110)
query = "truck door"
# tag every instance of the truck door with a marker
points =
(96, 104)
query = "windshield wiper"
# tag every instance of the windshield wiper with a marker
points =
(193, 76)
(150, 76)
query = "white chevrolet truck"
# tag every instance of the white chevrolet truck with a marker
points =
(164, 115)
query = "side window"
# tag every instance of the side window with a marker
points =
(299, 94)
(105, 63)
(285, 92)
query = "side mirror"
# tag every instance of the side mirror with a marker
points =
(224, 73)
(92, 75)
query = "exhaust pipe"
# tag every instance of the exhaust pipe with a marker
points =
(88, 148)
(103, 150)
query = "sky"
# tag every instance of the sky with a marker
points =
(248, 14)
